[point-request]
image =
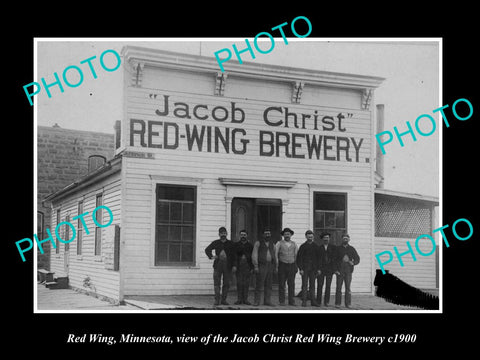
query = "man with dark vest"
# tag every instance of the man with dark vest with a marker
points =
(347, 257)
(223, 264)
(264, 263)
(307, 262)
(286, 255)
(326, 257)
(243, 253)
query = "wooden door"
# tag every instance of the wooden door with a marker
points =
(242, 218)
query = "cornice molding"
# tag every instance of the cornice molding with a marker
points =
(257, 182)
(189, 62)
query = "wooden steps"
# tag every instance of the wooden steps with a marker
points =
(52, 281)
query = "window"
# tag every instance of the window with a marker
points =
(98, 229)
(79, 229)
(66, 232)
(330, 215)
(40, 220)
(175, 225)
(57, 242)
(95, 161)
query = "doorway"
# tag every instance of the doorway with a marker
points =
(254, 215)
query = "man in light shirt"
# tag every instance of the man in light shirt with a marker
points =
(286, 255)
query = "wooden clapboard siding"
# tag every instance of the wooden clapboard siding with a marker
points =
(106, 282)
(253, 96)
(419, 273)
(257, 89)
(141, 277)
(251, 88)
(177, 80)
(343, 98)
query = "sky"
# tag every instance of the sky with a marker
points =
(411, 88)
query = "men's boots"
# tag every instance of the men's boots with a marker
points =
(224, 300)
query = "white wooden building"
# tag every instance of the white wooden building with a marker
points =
(197, 149)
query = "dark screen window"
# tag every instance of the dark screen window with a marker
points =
(330, 215)
(98, 229)
(175, 225)
(79, 229)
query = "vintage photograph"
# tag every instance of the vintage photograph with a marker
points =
(235, 175)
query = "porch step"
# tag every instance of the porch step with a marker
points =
(58, 283)
(44, 276)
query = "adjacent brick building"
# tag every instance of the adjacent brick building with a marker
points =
(63, 156)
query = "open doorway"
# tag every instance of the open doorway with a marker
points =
(254, 215)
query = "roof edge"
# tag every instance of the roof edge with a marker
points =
(169, 59)
(426, 198)
(109, 168)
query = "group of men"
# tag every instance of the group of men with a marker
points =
(315, 263)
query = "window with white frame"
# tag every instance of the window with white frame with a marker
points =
(175, 221)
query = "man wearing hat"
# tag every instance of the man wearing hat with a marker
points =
(223, 264)
(307, 262)
(347, 258)
(286, 255)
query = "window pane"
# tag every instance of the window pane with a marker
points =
(80, 211)
(187, 252)
(162, 252)
(161, 192)
(40, 225)
(330, 202)
(175, 212)
(187, 233)
(174, 252)
(67, 234)
(99, 212)
(188, 213)
(319, 219)
(163, 211)
(79, 241)
(189, 194)
(175, 193)
(98, 240)
(94, 162)
(329, 219)
(175, 233)
(340, 220)
(162, 233)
